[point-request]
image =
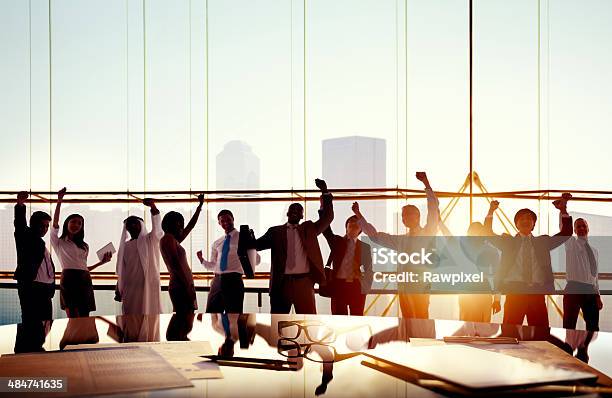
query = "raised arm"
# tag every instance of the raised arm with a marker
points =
(194, 219)
(58, 207)
(326, 213)
(328, 234)
(56, 217)
(381, 238)
(491, 237)
(565, 221)
(156, 230)
(20, 223)
(433, 211)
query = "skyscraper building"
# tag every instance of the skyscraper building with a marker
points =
(356, 162)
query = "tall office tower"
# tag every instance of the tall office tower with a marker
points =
(356, 162)
(239, 168)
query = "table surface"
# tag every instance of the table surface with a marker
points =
(256, 336)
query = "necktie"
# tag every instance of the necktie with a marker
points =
(527, 261)
(225, 252)
(591, 256)
(350, 255)
(291, 245)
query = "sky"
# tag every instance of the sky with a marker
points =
(148, 103)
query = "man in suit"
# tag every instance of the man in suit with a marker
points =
(525, 272)
(413, 297)
(349, 285)
(297, 263)
(35, 273)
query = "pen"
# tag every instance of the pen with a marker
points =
(477, 339)
(245, 359)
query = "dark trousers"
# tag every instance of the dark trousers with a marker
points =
(183, 299)
(296, 290)
(414, 305)
(226, 293)
(532, 306)
(347, 297)
(573, 303)
(35, 300)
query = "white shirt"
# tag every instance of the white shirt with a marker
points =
(516, 274)
(296, 262)
(346, 267)
(577, 266)
(45, 271)
(233, 261)
(70, 255)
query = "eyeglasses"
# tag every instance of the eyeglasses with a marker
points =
(316, 352)
(315, 332)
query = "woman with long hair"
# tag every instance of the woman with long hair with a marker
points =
(76, 288)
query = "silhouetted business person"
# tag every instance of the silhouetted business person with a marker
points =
(582, 289)
(297, 263)
(181, 287)
(413, 297)
(35, 273)
(525, 274)
(349, 284)
(227, 289)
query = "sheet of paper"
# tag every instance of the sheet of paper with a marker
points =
(109, 247)
(103, 371)
(185, 356)
(473, 367)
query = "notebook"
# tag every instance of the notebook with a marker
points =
(473, 368)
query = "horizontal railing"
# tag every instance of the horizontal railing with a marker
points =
(284, 195)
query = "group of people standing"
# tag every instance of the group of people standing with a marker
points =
(524, 273)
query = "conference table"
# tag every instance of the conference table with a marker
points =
(264, 355)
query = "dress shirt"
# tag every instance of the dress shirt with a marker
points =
(296, 262)
(46, 274)
(70, 255)
(577, 265)
(518, 271)
(233, 261)
(346, 267)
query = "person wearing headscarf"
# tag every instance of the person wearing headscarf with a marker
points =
(138, 284)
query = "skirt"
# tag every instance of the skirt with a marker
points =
(76, 290)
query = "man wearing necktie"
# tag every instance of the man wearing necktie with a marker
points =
(35, 273)
(227, 289)
(525, 273)
(297, 263)
(349, 284)
(582, 288)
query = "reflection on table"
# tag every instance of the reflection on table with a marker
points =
(290, 355)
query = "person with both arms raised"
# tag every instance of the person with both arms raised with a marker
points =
(525, 274)
(414, 297)
(227, 289)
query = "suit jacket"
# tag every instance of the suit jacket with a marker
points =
(510, 245)
(276, 240)
(30, 248)
(362, 257)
